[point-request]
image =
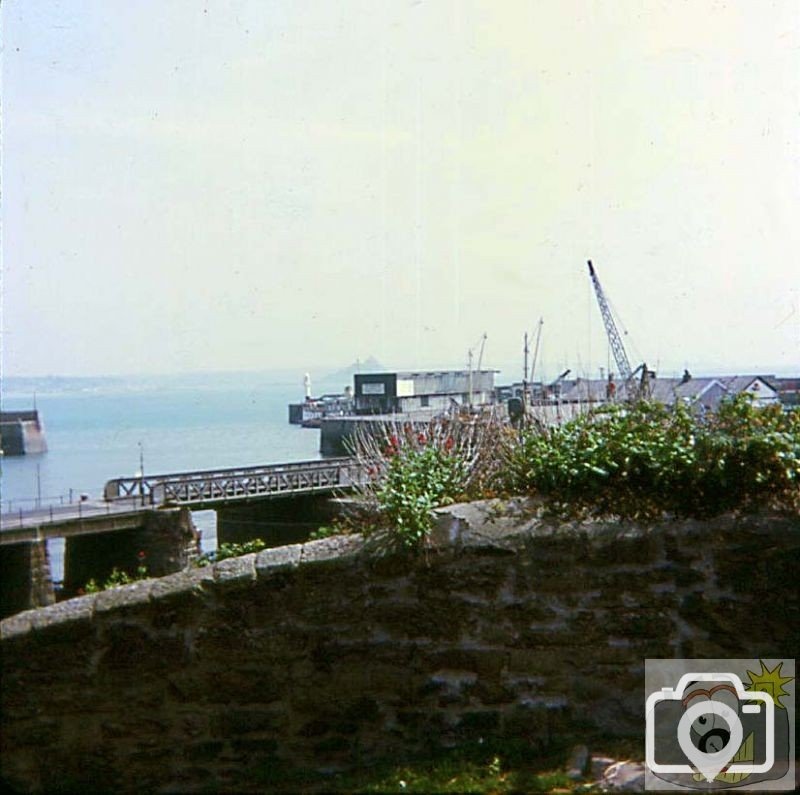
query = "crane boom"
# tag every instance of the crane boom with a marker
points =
(614, 339)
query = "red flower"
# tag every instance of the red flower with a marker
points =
(141, 554)
(449, 443)
(421, 438)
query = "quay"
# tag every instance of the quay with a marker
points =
(149, 519)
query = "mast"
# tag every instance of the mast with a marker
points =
(525, 372)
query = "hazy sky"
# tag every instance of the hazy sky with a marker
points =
(194, 185)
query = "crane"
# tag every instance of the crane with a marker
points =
(480, 355)
(536, 349)
(614, 339)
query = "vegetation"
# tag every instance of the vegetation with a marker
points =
(337, 528)
(641, 461)
(117, 577)
(414, 469)
(231, 550)
(485, 766)
(647, 460)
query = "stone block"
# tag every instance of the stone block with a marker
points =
(129, 647)
(124, 596)
(67, 617)
(332, 549)
(182, 584)
(278, 559)
(235, 572)
(17, 626)
(240, 720)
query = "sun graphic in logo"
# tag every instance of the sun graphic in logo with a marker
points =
(770, 682)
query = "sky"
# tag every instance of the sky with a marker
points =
(272, 184)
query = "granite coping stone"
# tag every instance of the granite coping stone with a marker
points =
(235, 571)
(329, 549)
(182, 582)
(79, 608)
(135, 593)
(19, 624)
(275, 559)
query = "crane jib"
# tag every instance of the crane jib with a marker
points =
(614, 339)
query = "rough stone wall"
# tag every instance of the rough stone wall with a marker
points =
(326, 655)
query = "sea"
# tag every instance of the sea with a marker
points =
(102, 428)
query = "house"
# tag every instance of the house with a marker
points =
(756, 386)
(704, 393)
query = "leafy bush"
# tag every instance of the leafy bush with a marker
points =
(414, 469)
(417, 480)
(326, 531)
(231, 550)
(645, 460)
(117, 577)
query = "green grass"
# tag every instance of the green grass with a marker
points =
(496, 767)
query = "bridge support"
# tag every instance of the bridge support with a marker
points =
(164, 543)
(288, 520)
(26, 580)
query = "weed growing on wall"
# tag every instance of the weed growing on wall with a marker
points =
(231, 550)
(413, 469)
(645, 460)
(118, 577)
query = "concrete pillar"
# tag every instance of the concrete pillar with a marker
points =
(278, 521)
(164, 543)
(26, 580)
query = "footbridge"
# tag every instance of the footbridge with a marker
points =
(215, 488)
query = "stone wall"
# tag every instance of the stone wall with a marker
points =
(327, 655)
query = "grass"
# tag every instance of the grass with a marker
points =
(493, 767)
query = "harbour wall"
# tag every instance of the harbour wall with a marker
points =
(328, 654)
(21, 433)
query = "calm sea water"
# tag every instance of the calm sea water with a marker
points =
(96, 429)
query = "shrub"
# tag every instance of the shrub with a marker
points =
(645, 460)
(231, 550)
(413, 469)
(415, 482)
(117, 577)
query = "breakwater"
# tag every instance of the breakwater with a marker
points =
(326, 655)
(22, 433)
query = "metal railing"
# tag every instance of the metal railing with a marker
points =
(224, 485)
